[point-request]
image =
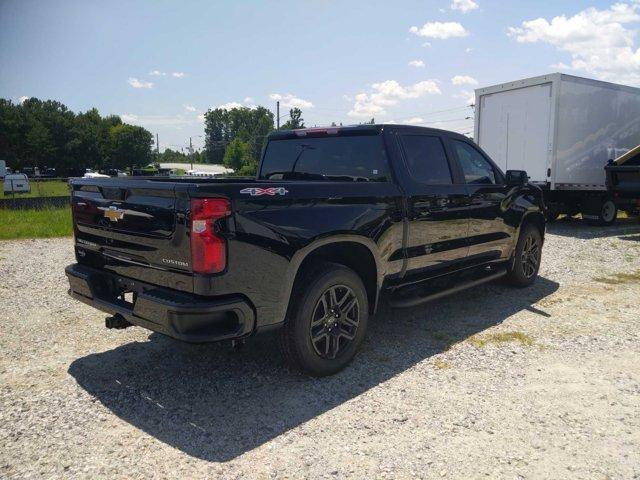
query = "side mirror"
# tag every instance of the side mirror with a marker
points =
(516, 177)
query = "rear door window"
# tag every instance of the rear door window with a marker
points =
(426, 159)
(359, 158)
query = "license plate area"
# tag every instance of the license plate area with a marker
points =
(117, 290)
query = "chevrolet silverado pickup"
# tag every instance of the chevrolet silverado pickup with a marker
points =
(335, 220)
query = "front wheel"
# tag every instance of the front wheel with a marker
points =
(328, 320)
(526, 259)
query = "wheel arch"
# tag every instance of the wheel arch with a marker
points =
(357, 253)
(536, 218)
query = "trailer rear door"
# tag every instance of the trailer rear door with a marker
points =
(515, 129)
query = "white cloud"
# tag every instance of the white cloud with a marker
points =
(129, 118)
(416, 63)
(248, 100)
(135, 83)
(468, 97)
(560, 66)
(190, 108)
(597, 40)
(178, 74)
(389, 93)
(441, 30)
(291, 101)
(201, 117)
(157, 73)
(22, 99)
(468, 50)
(465, 6)
(414, 121)
(463, 80)
(175, 121)
(427, 44)
(230, 105)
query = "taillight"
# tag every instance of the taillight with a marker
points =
(208, 250)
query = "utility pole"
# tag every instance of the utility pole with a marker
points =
(157, 144)
(191, 152)
(278, 115)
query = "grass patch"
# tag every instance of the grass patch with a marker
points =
(441, 365)
(53, 188)
(620, 278)
(498, 338)
(45, 223)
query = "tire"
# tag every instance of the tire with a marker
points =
(552, 214)
(320, 337)
(606, 215)
(525, 264)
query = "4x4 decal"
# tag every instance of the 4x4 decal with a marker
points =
(256, 192)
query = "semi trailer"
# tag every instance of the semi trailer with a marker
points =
(562, 130)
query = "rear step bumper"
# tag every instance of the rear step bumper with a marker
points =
(180, 315)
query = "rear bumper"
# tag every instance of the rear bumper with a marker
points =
(177, 314)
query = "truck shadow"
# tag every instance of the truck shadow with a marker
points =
(578, 228)
(216, 404)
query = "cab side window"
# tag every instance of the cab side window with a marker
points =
(476, 168)
(426, 159)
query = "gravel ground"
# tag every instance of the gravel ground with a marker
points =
(494, 383)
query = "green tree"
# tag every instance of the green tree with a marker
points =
(215, 133)
(39, 145)
(295, 120)
(12, 133)
(130, 146)
(222, 126)
(237, 155)
(46, 133)
(89, 146)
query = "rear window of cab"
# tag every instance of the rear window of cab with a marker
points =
(356, 158)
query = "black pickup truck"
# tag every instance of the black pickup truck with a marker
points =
(335, 218)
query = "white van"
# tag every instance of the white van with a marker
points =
(16, 182)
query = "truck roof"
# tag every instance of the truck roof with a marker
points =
(354, 129)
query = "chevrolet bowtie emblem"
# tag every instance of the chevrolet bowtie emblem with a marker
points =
(114, 214)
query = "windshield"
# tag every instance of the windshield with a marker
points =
(345, 158)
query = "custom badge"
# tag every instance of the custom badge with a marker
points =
(257, 192)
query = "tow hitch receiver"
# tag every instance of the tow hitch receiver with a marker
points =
(117, 321)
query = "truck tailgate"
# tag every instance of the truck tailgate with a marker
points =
(137, 228)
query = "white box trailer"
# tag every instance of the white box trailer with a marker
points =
(562, 130)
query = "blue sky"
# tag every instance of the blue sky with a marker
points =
(161, 64)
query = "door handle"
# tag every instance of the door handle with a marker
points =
(442, 202)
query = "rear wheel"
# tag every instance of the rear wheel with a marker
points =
(526, 262)
(328, 320)
(606, 215)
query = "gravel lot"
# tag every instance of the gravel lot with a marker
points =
(493, 383)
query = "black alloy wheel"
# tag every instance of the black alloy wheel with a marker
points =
(334, 322)
(530, 256)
